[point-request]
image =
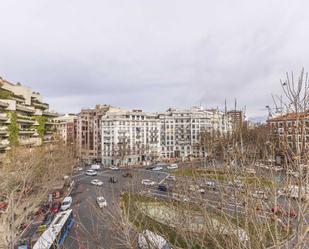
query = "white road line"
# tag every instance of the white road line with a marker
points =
(164, 179)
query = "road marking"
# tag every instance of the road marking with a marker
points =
(164, 179)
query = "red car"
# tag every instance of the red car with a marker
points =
(279, 211)
(292, 213)
(55, 208)
(3, 206)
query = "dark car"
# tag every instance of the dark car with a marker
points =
(151, 167)
(162, 187)
(43, 209)
(112, 180)
(46, 222)
(55, 208)
(127, 175)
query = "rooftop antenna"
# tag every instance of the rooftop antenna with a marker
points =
(225, 108)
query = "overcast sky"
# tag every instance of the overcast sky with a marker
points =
(153, 54)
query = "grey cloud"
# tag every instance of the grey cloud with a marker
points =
(153, 54)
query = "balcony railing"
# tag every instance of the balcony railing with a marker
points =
(27, 131)
(3, 117)
(50, 114)
(3, 104)
(25, 108)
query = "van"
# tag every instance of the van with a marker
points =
(95, 167)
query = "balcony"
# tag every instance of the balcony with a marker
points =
(48, 122)
(3, 104)
(24, 108)
(30, 141)
(3, 131)
(3, 117)
(4, 144)
(25, 119)
(27, 131)
(40, 105)
(50, 114)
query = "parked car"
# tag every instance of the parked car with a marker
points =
(180, 197)
(171, 178)
(149, 240)
(101, 201)
(96, 182)
(250, 171)
(259, 194)
(173, 166)
(162, 187)
(91, 172)
(278, 210)
(45, 223)
(157, 168)
(55, 208)
(95, 167)
(42, 209)
(57, 194)
(3, 205)
(127, 175)
(148, 182)
(112, 179)
(211, 184)
(201, 190)
(238, 183)
(150, 167)
(66, 204)
(193, 187)
(114, 168)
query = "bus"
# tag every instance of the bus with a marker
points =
(56, 233)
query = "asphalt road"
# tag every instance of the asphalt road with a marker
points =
(95, 228)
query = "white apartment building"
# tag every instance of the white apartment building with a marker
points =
(134, 137)
(130, 137)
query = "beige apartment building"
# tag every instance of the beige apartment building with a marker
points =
(137, 137)
(181, 130)
(88, 132)
(66, 128)
(24, 118)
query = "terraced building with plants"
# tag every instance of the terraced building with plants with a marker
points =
(24, 118)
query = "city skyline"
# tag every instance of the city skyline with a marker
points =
(141, 55)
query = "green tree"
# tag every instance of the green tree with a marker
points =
(13, 129)
(41, 125)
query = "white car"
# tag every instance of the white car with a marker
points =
(173, 166)
(114, 168)
(66, 204)
(180, 197)
(101, 201)
(171, 178)
(237, 183)
(148, 239)
(79, 169)
(97, 182)
(157, 168)
(259, 194)
(201, 190)
(210, 184)
(95, 167)
(91, 172)
(148, 182)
